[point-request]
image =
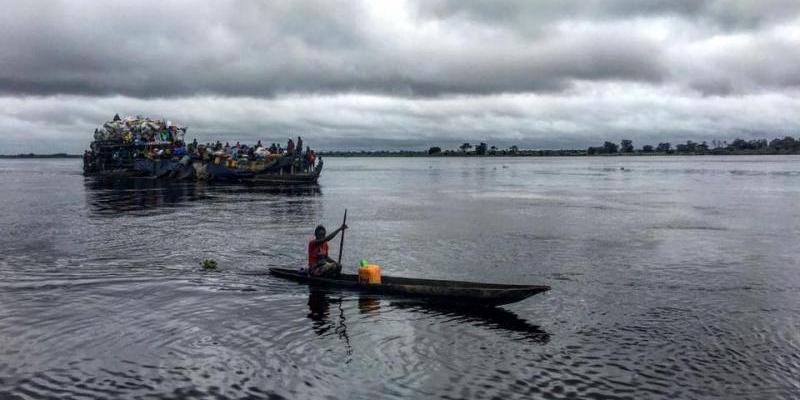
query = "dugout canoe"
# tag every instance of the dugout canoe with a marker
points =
(437, 291)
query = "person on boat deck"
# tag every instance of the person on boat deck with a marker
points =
(319, 264)
(310, 156)
(179, 150)
(290, 147)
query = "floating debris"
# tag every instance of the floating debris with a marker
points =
(209, 263)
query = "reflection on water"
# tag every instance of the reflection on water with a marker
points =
(111, 196)
(367, 304)
(319, 306)
(491, 317)
(495, 318)
(107, 196)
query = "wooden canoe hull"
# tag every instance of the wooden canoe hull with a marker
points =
(439, 291)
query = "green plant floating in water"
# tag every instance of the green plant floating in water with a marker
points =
(209, 263)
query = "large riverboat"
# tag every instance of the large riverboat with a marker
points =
(138, 147)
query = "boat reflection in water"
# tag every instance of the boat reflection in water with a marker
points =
(113, 196)
(319, 305)
(132, 195)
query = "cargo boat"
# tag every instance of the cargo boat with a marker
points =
(115, 160)
(141, 147)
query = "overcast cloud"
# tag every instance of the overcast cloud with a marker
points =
(375, 74)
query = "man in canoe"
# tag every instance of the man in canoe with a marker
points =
(319, 264)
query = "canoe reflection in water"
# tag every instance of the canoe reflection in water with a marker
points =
(492, 318)
(319, 305)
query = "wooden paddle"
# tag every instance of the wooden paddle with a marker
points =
(341, 242)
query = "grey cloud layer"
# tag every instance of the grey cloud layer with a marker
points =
(605, 112)
(527, 15)
(177, 49)
(377, 74)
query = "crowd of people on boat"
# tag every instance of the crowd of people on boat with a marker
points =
(233, 156)
(157, 139)
(237, 151)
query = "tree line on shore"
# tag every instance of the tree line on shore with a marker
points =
(787, 145)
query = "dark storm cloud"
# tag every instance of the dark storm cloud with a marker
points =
(371, 74)
(723, 14)
(432, 48)
(250, 50)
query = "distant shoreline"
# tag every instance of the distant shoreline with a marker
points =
(538, 153)
(787, 145)
(31, 155)
(419, 154)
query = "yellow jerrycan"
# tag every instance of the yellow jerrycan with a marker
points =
(369, 273)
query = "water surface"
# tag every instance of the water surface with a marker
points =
(672, 278)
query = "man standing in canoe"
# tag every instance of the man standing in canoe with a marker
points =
(319, 264)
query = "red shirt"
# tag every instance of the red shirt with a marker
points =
(314, 250)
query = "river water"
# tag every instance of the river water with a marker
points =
(671, 277)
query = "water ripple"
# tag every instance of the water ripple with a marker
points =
(668, 282)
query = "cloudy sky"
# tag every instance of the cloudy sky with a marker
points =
(402, 74)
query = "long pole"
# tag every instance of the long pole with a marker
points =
(341, 242)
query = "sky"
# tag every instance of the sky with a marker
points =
(402, 74)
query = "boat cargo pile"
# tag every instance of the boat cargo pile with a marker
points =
(144, 147)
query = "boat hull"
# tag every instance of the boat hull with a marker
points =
(438, 291)
(284, 179)
(277, 178)
(155, 168)
(122, 161)
(224, 174)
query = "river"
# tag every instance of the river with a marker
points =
(672, 277)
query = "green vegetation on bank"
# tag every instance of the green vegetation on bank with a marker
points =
(787, 145)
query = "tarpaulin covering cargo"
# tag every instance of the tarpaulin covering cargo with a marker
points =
(139, 130)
